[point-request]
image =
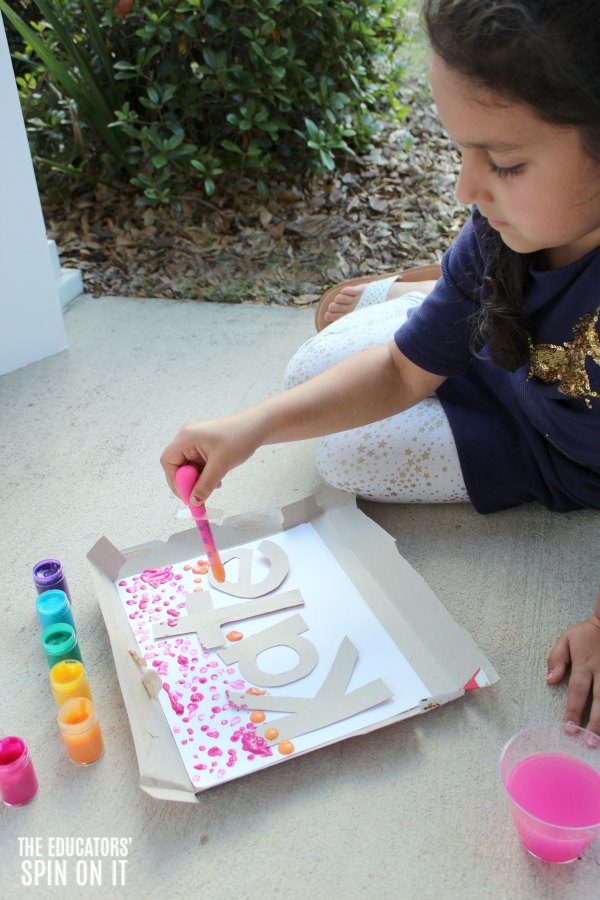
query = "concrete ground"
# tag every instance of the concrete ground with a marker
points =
(415, 810)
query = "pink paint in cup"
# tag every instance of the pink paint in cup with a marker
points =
(18, 781)
(551, 773)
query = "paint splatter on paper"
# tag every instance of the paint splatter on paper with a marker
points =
(217, 740)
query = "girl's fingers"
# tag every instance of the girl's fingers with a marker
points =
(558, 661)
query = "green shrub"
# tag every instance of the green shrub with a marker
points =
(171, 92)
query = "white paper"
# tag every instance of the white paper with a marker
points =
(218, 742)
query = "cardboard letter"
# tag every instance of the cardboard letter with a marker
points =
(244, 586)
(205, 620)
(284, 634)
(331, 704)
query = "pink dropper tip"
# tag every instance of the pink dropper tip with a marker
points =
(186, 477)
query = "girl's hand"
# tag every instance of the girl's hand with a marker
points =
(213, 447)
(579, 646)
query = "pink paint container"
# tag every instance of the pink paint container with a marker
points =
(551, 773)
(18, 781)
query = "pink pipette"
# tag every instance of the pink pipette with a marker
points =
(186, 477)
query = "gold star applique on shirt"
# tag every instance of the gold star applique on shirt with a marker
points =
(566, 363)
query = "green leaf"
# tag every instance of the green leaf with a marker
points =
(229, 145)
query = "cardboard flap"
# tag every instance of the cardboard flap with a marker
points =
(161, 768)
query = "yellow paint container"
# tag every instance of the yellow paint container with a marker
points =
(67, 680)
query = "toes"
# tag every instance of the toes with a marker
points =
(352, 290)
(340, 306)
(343, 302)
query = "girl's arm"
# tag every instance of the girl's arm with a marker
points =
(364, 388)
(579, 647)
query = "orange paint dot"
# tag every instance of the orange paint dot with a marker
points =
(196, 570)
(186, 568)
(197, 580)
(201, 562)
(271, 734)
(203, 570)
(234, 636)
(198, 591)
(256, 692)
(285, 747)
(257, 716)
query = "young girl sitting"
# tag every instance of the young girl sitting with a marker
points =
(488, 388)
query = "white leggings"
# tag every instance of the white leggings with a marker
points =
(410, 457)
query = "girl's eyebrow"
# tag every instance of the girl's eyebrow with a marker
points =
(491, 146)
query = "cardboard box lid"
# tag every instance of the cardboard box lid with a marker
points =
(440, 651)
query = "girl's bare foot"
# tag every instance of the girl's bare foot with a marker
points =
(345, 301)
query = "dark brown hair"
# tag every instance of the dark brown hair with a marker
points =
(544, 53)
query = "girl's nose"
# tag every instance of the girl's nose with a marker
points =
(471, 183)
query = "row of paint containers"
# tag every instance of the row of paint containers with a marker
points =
(70, 687)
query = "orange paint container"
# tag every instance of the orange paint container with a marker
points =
(67, 680)
(80, 730)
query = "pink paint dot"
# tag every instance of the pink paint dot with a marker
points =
(215, 751)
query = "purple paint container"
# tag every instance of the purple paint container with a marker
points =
(48, 575)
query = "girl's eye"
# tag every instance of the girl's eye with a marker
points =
(505, 171)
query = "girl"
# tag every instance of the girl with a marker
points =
(489, 389)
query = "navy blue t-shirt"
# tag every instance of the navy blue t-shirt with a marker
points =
(532, 434)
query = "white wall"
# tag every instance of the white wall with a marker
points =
(31, 322)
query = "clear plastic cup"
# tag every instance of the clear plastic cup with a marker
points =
(551, 773)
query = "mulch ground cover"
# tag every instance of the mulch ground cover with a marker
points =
(391, 207)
